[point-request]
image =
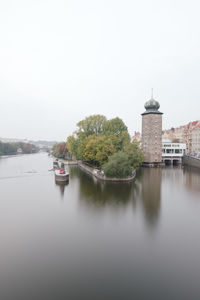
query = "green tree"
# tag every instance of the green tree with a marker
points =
(118, 166)
(97, 139)
(114, 126)
(134, 153)
(76, 146)
(118, 133)
(72, 145)
(98, 149)
(91, 125)
(120, 141)
(11, 148)
(7, 148)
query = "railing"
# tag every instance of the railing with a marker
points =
(195, 155)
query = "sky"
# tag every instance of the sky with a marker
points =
(61, 61)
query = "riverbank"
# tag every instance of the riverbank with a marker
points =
(191, 161)
(96, 173)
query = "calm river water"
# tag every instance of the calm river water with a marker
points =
(93, 240)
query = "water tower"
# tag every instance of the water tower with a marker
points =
(152, 133)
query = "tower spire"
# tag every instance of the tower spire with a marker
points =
(151, 93)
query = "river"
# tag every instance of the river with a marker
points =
(93, 240)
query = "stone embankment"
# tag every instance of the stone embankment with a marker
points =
(69, 162)
(96, 173)
(191, 161)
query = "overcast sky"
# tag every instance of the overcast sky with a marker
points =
(61, 61)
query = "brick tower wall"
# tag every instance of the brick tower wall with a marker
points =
(152, 137)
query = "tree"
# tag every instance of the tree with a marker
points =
(98, 138)
(114, 126)
(98, 149)
(134, 153)
(72, 144)
(120, 141)
(118, 133)
(11, 148)
(60, 150)
(7, 148)
(91, 125)
(76, 146)
(118, 166)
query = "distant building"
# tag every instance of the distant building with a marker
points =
(188, 134)
(152, 133)
(172, 152)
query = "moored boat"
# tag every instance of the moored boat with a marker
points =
(61, 175)
(55, 164)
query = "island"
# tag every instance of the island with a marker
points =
(103, 148)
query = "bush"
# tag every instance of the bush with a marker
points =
(118, 165)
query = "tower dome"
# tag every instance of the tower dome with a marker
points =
(152, 105)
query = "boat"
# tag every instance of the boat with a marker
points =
(55, 164)
(61, 175)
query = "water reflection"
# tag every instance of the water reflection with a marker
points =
(188, 177)
(144, 193)
(62, 186)
(99, 243)
(151, 194)
(192, 178)
(98, 193)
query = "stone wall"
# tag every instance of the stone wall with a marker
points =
(191, 161)
(96, 173)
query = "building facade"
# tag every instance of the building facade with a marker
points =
(152, 134)
(172, 153)
(188, 134)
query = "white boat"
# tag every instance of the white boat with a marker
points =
(61, 175)
(55, 164)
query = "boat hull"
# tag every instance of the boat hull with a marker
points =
(61, 176)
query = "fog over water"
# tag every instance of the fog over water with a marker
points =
(94, 240)
(64, 60)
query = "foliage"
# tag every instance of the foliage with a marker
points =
(114, 126)
(134, 153)
(118, 165)
(76, 146)
(60, 150)
(7, 148)
(91, 125)
(98, 149)
(97, 139)
(12, 148)
(118, 133)
(120, 141)
(72, 145)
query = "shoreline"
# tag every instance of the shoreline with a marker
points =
(96, 173)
